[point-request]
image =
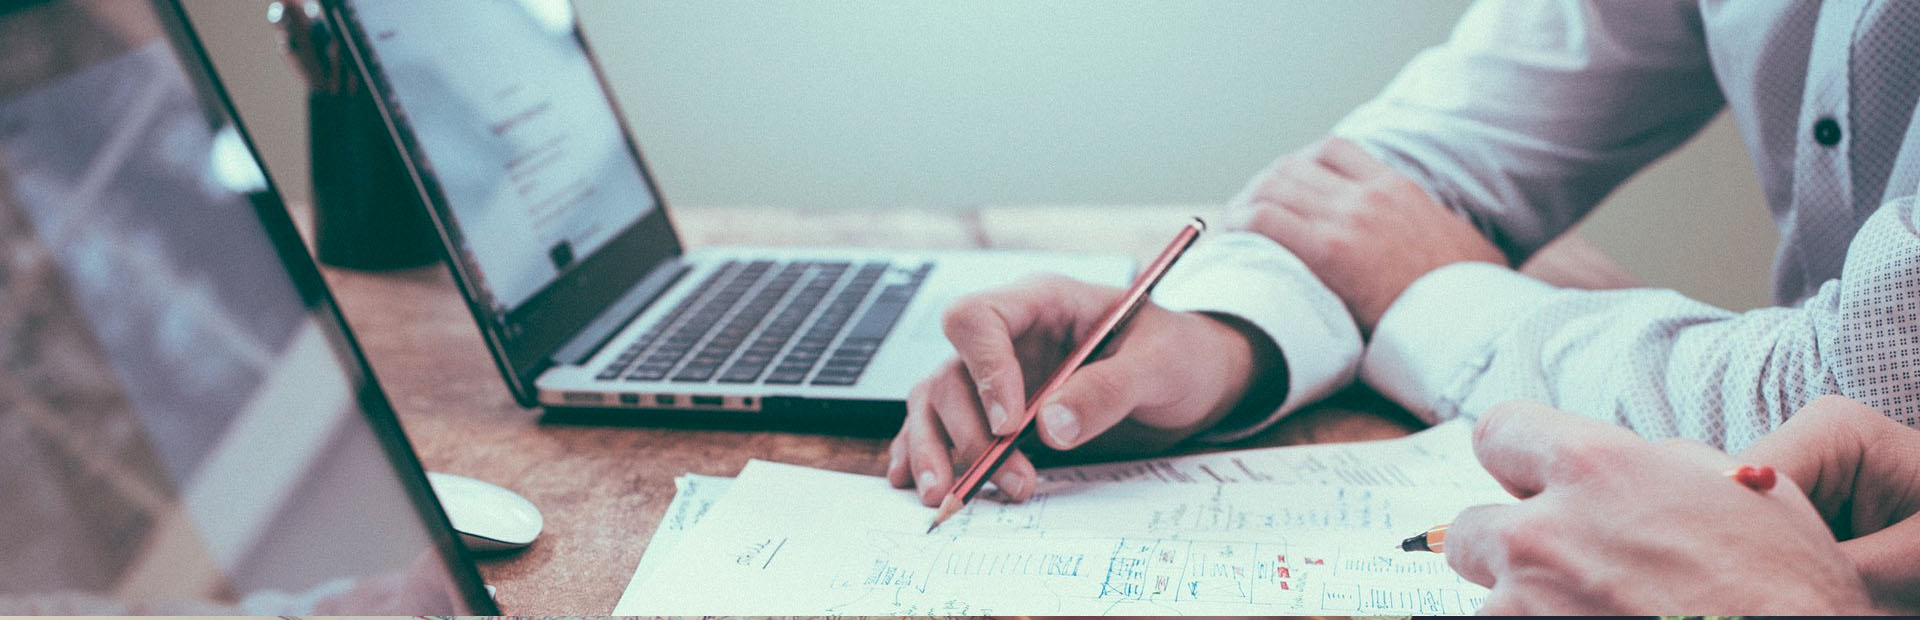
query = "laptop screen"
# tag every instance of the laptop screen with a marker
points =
(522, 141)
(184, 426)
(501, 113)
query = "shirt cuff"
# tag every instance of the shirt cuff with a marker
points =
(1247, 276)
(1438, 336)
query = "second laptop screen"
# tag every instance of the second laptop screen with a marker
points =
(510, 120)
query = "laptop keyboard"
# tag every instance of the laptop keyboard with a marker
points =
(764, 322)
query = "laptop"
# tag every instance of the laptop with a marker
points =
(561, 242)
(186, 426)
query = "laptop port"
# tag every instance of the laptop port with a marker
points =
(629, 399)
(665, 400)
(709, 401)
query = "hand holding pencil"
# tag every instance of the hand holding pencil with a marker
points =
(1172, 374)
(1610, 523)
(1107, 329)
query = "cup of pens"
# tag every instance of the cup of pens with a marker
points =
(367, 213)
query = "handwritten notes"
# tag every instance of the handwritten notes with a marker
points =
(1302, 530)
(693, 496)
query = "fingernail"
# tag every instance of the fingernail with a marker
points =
(996, 416)
(893, 463)
(927, 481)
(1061, 424)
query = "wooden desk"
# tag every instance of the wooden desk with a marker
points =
(604, 489)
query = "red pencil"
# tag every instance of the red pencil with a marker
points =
(1116, 317)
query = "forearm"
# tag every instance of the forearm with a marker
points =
(1468, 336)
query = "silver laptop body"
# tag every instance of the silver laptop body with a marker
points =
(562, 244)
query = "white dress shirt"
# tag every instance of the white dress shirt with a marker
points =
(1529, 115)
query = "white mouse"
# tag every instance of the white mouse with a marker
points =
(486, 516)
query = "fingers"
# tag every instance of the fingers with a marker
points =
(944, 422)
(1098, 396)
(1823, 447)
(1528, 445)
(1279, 202)
(1347, 159)
(1301, 184)
(927, 449)
(959, 413)
(1817, 440)
(1475, 542)
(1016, 478)
(983, 329)
(1318, 181)
(897, 465)
(1286, 226)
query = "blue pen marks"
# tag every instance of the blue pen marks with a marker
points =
(760, 552)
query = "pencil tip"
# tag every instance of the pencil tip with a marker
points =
(948, 506)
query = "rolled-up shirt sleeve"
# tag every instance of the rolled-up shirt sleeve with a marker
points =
(1534, 110)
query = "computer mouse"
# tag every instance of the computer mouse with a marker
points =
(486, 516)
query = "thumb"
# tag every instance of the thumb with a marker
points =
(1093, 400)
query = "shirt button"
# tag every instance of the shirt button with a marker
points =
(1826, 131)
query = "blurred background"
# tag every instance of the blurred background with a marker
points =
(936, 105)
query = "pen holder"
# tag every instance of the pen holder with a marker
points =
(367, 213)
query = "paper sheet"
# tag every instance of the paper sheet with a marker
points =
(693, 496)
(1301, 530)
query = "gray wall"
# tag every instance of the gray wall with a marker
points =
(937, 104)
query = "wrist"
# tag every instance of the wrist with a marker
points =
(1368, 309)
(1255, 372)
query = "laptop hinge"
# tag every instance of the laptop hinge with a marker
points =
(608, 323)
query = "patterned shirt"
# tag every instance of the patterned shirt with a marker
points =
(1530, 114)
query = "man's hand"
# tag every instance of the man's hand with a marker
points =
(1862, 472)
(1166, 376)
(1612, 524)
(1365, 229)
